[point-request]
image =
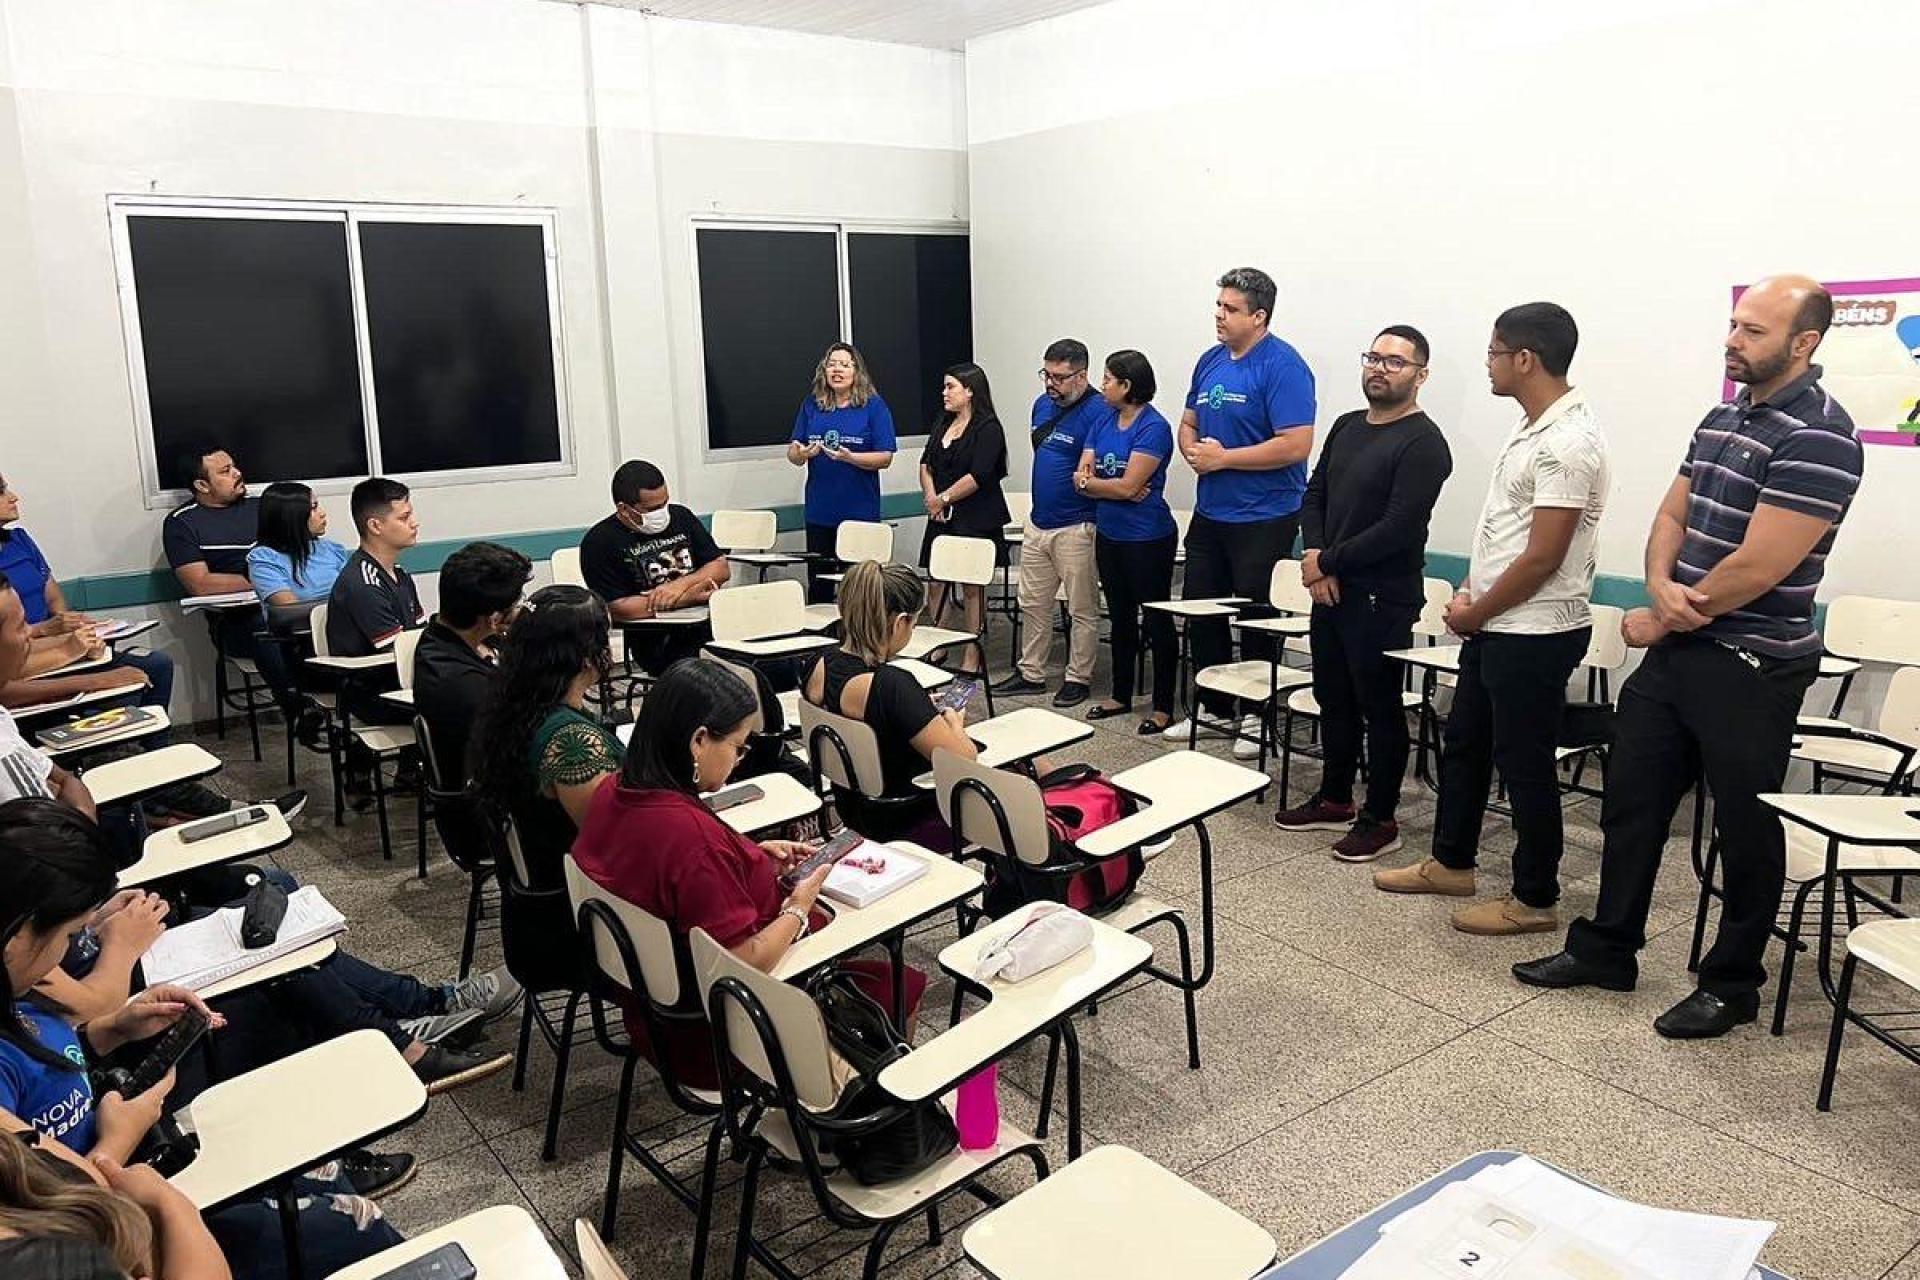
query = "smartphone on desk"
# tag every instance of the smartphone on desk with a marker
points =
(826, 855)
(734, 796)
(448, 1262)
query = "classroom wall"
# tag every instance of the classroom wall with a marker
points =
(625, 125)
(1434, 164)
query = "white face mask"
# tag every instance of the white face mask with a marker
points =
(654, 521)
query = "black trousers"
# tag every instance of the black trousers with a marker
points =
(822, 539)
(1506, 714)
(655, 648)
(1695, 705)
(1358, 690)
(1233, 560)
(1133, 574)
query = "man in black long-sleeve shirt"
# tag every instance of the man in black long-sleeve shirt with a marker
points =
(1365, 531)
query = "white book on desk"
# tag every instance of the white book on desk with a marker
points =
(853, 883)
(209, 949)
(222, 600)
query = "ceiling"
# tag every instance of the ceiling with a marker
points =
(937, 24)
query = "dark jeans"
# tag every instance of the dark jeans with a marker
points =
(158, 669)
(248, 1232)
(236, 633)
(821, 541)
(1696, 705)
(1233, 560)
(1359, 689)
(1506, 714)
(1132, 574)
(655, 648)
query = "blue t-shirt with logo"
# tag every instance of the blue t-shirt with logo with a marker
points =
(1056, 503)
(1240, 403)
(56, 1102)
(1126, 521)
(27, 569)
(836, 490)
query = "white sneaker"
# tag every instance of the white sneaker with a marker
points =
(1243, 749)
(1179, 729)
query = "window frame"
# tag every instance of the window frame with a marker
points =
(840, 228)
(349, 214)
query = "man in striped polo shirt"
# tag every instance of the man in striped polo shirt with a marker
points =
(1736, 553)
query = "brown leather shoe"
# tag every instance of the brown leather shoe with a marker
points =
(1425, 876)
(1505, 917)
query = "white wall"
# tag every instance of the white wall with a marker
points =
(625, 125)
(1433, 164)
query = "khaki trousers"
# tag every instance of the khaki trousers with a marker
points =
(1049, 558)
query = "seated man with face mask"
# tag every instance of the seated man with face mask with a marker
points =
(652, 556)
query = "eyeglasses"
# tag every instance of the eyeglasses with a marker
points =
(1392, 364)
(839, 364)
(1059, 379)
(1494, 353)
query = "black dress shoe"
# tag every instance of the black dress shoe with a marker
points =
(1565, 969)
(1072, 694)
(373, 1175)
(1704, 1015)
(1018, 683)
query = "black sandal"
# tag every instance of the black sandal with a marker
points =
(1148, 728)
(1105, 713)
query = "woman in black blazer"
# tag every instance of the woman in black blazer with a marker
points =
(960, 475)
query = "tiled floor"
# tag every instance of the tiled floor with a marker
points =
(1353, 1045)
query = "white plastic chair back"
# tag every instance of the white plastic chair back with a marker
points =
(595, 1262)
(1607, 651)
(960, 559)
(1874, 629)
(1433, 611)
(758, 612)
(1019, 507)
(863, 540)
(321, 649)
(745, 530)
(1285, 589)
(651, 939)
(405, 645)
(863, 746)
(1018, 795)
(797, 1024)
(1900, 711)
(565, 565)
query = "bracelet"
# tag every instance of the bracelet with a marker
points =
(806, 925)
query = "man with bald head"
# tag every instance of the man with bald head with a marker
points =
(1736, 552)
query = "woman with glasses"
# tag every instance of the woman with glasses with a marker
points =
(1124, 470)
(843, 436)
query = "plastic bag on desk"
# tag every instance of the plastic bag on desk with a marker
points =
(1050, 934)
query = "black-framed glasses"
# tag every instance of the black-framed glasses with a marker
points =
(1392, 364)
(1059, 379)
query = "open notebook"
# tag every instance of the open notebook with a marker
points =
(209, 949)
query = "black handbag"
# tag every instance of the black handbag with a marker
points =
(861, 1032)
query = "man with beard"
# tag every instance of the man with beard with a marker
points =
(1364, 526)
(1736, 553)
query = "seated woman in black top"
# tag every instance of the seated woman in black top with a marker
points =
(878, 605)
(960, 475)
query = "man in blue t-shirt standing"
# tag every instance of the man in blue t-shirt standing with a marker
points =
(1057, 543)
(1246, 431)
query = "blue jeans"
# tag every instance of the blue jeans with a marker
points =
(157, 667)
(330, 1237)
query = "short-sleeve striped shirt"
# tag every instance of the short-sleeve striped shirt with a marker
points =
(1797, 451)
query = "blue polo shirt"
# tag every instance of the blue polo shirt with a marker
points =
(1150, 518)
(837, 490)
(27, 569)
(1244, 402)
(1056, 503)
(54, 1101)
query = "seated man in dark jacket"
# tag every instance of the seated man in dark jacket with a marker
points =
(480, 590)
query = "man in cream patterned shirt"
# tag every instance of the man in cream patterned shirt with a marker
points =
(1526, 623)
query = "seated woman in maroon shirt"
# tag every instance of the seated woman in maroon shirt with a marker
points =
(649, 839)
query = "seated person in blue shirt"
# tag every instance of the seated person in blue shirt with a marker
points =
(843, 436)
(58, 874)
(62, 635)
(293, 563)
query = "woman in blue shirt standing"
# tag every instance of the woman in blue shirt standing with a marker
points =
(843, 436)
(1124, 469)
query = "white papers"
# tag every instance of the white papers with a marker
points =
(1522, 1220)
(870, 873)
(224, 600)
(209, 950)
(121, 629)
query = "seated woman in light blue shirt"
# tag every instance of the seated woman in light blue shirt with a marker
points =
(292, 563)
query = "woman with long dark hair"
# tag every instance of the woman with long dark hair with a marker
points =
(843, 436)
(293, 561)
(960, 476)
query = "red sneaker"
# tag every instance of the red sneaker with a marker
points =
(1315, 815)
(1368, 840)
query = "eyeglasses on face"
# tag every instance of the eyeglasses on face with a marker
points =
(1392, 364)
(1060, 379)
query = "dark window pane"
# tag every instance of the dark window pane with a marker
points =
(246, 326)
(912, 317)
(769, 307)
(462, 345)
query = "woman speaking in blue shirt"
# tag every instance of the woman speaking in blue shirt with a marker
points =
(843, 436)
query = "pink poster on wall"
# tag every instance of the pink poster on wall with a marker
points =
(1871, 357)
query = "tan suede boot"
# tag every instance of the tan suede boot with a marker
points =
(1425, 876)
(1503, 917)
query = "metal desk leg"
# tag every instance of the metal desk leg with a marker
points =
(290, 1229)
(1072, 1042)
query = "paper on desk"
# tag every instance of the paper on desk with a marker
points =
(1664, 1243)
(222, 600)
(209, 950)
